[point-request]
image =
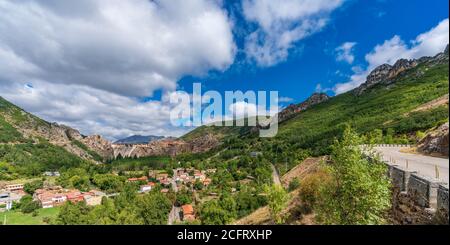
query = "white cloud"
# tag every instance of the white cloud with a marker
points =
(320, 89)
(243, 109)
(280, 24)
(426, 44)
(94, 111)
(88, 60)
(345, 52)
(285, 99)
(126, 47)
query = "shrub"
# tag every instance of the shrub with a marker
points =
(311, 185)
(294, 184)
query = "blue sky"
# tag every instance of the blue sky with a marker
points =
(366, 22)
(108, 67)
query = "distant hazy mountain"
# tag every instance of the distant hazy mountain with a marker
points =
(139, 139)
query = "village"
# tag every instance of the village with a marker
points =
(50, 196)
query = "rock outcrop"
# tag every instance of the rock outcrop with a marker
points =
(386, 74)
(36, 129)
(166, 147)
(139, 139)
(203, 143)
(100, 145)
(65, 137)
(293, 109)
(436, 141)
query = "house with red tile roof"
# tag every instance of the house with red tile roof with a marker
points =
(188, 212)
(143, 178)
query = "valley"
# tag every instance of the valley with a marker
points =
(224, 175)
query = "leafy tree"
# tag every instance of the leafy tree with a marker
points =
(129, 216)
(212, 213)
(127, 197)
(109, 182)
(277, 199)
(104, 214)
(80, 182)
(229, 204)
(31, 187)
(154, 208)
(27, 205)
(183, 197)
(198, 185)
(360, 193)
(376, 136)
(75, 214)
(247, 201)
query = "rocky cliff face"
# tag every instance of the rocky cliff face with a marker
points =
(166, 147)
(139, 139)
(292, 109)
(436, 141)
(35, 129)
(155, 148)
(386, 74)
(65, 136)
(100, 145)
(203, 143)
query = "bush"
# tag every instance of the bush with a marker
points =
(277, 200)
(47, 220)
(310, 187)
(294, 184)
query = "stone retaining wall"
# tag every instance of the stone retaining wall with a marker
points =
(417, 199)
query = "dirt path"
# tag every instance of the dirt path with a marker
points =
(275, 176)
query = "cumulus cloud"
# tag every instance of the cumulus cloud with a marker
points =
(94, 111)
(426, 44)
(345, 52)
(285, 99)
(243, 109)
(280, 24)
(145, 45)
(90, 59)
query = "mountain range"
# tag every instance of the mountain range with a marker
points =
(139, 139)
(387, 101)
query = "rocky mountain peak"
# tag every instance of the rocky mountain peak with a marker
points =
(100, 145)
(316, 98)
(386, 73)
(292, 109)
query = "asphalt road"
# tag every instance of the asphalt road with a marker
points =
(174, 215)
(424, 165)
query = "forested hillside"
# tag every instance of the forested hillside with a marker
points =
(387, 112)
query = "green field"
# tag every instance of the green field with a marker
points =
(16, 217)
